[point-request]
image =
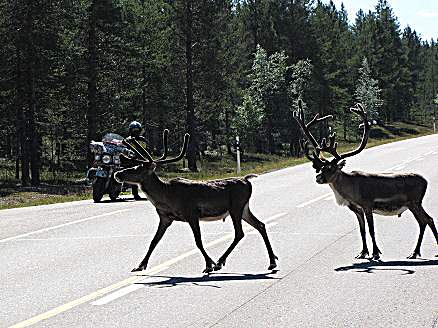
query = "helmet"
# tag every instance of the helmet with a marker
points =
(134, 129)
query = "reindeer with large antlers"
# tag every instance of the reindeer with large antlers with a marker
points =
(365, 193)
(192, 201)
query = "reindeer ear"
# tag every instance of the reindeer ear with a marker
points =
(317, 166)
(341, 164)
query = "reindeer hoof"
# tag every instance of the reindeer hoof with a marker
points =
(208, 270)
(272, 266)
(375, 257)
(141, 267)
(362, 255)
(219, 266)
(414, 255)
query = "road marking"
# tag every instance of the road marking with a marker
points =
(269, 225)
(126, 282)
(398, 167)
(60, 226)
(82, 238)
(314, 200)
(308, 233)
(120, 293)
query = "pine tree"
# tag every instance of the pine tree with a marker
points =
(368, 92)
(264, 99)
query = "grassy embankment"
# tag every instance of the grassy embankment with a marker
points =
(66, 187)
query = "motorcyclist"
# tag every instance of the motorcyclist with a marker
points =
(135, 129)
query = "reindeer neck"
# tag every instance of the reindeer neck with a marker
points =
(153, 186)
(342, 187)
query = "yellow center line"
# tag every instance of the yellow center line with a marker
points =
(128, 281)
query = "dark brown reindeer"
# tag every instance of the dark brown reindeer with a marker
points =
(366, 193)
(192, 201)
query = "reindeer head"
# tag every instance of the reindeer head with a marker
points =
(142, 167)
(328, 170)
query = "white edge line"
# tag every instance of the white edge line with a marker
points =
(117, 294)
(269, 225)
(61, 225)
(314, 200)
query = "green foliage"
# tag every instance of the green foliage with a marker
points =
(266, 92)
(368, 92)
(140, 68)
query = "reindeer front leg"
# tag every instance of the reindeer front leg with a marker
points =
(209, 263)
(370, 220)
(361, 219)
(165, 222)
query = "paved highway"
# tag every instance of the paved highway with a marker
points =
(68, 265)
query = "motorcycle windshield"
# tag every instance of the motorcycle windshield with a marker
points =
(113, 138)
(113, 143)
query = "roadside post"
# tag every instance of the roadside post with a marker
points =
(434, 125)
(238, 154)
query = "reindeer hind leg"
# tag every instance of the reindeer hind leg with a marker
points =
(429, 222)
(424, 220)
(251, 219)
(238, 235)
(422, 224)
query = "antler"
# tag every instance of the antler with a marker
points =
(181, 154)
(144, 154)
(330, 146)
(165, 135)
(135, 146)
(299, 117)
(315, 153)
(359, 110)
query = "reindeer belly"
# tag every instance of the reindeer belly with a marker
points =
(214, 217)
(388, 207)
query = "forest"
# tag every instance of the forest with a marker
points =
(72, 71)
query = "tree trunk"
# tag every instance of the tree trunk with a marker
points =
(255, 24)
(191, 151)
(92, 80)
(19, 116)
(32, 147)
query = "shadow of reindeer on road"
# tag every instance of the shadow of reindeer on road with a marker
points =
(205, 280)
(372, 266)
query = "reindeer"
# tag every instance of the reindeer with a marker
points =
(366, 193)
(192, 201)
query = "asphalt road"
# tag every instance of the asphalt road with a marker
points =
(68, 265)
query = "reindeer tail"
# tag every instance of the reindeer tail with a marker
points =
(250, 176)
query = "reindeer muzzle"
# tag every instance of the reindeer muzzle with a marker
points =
(320, 179)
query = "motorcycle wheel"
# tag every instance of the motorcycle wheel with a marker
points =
(98, 189)
(115, 190)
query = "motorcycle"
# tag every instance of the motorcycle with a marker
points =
(107, 162)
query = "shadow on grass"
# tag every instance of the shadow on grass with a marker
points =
(207, 280)
(405, 266)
